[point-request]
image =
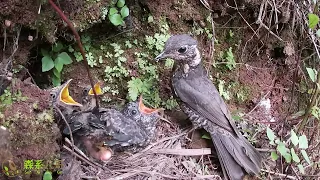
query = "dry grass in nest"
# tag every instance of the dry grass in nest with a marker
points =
(165, 158)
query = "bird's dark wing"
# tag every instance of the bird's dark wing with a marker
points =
(199, 94)
(123, 130)
(83, 123)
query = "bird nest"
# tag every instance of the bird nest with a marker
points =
(164, 158)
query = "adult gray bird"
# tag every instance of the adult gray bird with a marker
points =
(201, 101)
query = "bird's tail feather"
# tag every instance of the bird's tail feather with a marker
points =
(236, 155)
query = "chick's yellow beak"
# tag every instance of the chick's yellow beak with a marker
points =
(97, 88)
(65, 97)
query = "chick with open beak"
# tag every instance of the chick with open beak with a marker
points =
(61, 98)
(133, 126)
(88, 99)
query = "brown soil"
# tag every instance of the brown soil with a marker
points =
(33, 134)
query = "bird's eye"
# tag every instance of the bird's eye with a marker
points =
(134, 112)
(182, 49)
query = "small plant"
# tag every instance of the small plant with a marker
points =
(117, 71)
(222, 90)
(170, 104)
(86, 41)
(231, 64)
(7, 98)
(227, 58)
(313, 21)
(157, 41)
(55, 60)
(91, 60)
(146, 82)
(291, 150)
(117, 12)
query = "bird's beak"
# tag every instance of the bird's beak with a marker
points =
(97, 88)
(144, 109)
(160, 56)
(65, 97)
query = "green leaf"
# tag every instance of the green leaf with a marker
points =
(305, 156)
(318, 33)
(56, 73)
(274, 155)
(113, 11)
(301, 168)
(124, 12)
(287, 157)
(56, 81)
(206, 136)
(65, 58)
(47, 63)
(47, 176)
(44, 52)
(134, 88)
(116, 19)
(270, 134)
(281, 147)
(294, 138)
(313, 20)
(303, 142)
(295, 158)
(312, 74)
(58, 64)
(70, 49)
(121, 3)
(57, 47)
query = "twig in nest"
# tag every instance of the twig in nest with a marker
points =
(279, 174)
(152, 173)
(77, 152)
(90, 177)
(71, 137)
(183, 152)
(154, 144)
(76, 149)
(295, 172)
(206, 5)
(82, 158)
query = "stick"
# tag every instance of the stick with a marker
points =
(184, 152)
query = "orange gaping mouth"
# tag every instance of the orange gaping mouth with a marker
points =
(97, 88)
(144, 109)
(66, 98)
